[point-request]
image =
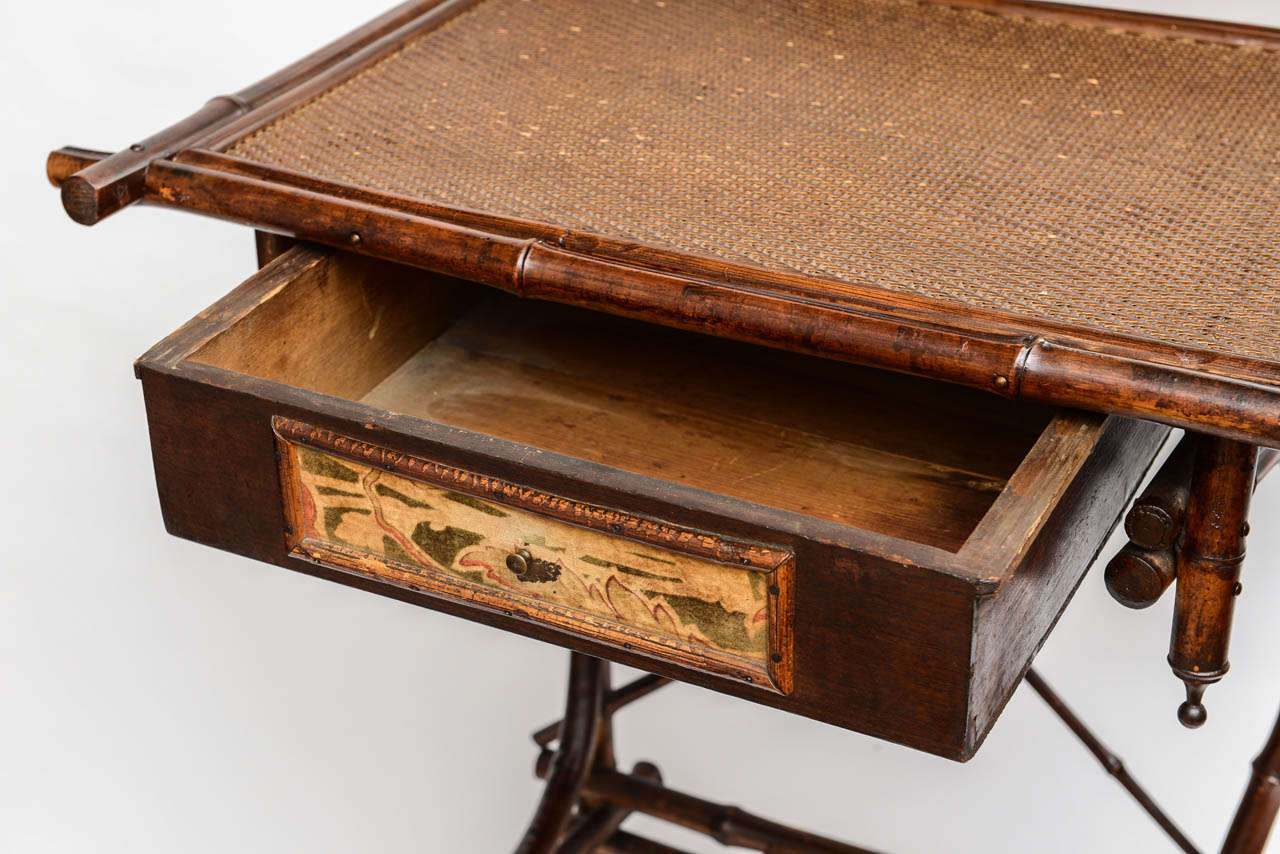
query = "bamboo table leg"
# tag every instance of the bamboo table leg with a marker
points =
(573, 759)
(1261, 800)
(1209, 559)
(1260, 803)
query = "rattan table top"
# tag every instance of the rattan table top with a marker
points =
(1097, 178)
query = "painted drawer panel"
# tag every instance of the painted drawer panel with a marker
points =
(687, 596)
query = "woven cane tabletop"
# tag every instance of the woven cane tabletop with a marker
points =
(1103, 179)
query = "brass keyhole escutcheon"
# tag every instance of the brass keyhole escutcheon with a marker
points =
(530, 569)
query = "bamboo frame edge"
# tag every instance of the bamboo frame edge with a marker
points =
(116, 181)
(984, 350)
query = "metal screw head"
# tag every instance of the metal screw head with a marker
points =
(518, 562)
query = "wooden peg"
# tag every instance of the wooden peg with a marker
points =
(1155, 521)
(1138, 577)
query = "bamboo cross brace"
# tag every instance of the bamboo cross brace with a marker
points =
(613, 701)
(1109, 761)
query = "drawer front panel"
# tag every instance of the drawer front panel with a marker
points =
(704, 601)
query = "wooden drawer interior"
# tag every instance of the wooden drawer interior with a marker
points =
(887, 453)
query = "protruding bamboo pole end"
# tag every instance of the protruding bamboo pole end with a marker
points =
(80, 201)
(64, 162)
(1137, 578)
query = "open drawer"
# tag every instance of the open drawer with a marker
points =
(877, 551)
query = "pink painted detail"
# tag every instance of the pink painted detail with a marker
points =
(367, 483)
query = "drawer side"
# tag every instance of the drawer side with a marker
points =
(1012, 624)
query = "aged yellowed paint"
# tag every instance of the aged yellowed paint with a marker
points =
(420, 529)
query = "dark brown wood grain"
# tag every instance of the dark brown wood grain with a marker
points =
(586, 798)
(1210, 556)
(1049, 565)
(62, 163)
(1146, 566)
(893, 637)
(615, 699)
(600, 823)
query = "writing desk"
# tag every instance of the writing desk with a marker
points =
(807, 354)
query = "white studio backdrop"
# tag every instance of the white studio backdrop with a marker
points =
(158, 696)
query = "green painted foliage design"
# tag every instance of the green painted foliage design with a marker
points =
(395, 551)
(475, 504)
(333, 518)
(333, 490)
(325, 466)
(387, 492)
(726, 629)
(629, 570)
(541, 541)
(643, 556)
(443, 546)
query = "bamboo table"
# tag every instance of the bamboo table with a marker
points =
(805, 352)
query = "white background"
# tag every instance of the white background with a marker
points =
(158, 696)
